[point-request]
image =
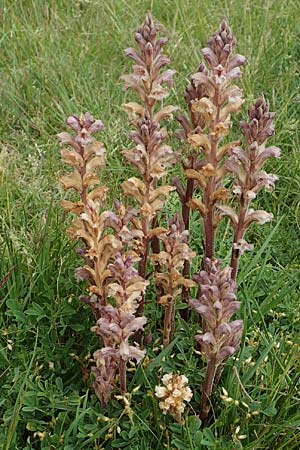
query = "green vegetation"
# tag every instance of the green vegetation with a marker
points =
(60, 57)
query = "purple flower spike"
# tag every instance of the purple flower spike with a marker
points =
(216, 304)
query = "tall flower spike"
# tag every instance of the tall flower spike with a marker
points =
(103, 262)
(86, 157)
(176, 252)
(246, 166)
(150, 155)
(216, 305)
(211, 99)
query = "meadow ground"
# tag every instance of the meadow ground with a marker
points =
(60, 57)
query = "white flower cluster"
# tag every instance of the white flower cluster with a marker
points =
(173, 394)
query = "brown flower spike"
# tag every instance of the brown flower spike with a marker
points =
(150, 155)
(176, 252)
(246, 166)
(212, 98)
(221, 337)
(109, 260)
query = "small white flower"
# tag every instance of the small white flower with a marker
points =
(160, 391)
(166, 378)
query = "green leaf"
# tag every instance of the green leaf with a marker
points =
(36, 310)
(193, 423)
(180, 444)
(118, 443)
(59, 384)
(78, 327)
(15, 309)
(3, 358)
(270, 411)
(181, 306)
(209, 438)
(158, 360)
(198, 438)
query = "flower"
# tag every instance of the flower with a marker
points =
(173, 394)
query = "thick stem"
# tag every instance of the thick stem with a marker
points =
(218, 374)
(185, 207)
(186, 219)
(123, 378)
(145, 227)
(155, 241)
(142, 273)
(209, 227)
(209, 232)
(240, 227)
(169, 319)
(207, 389)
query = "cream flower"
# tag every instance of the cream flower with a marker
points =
(174, 394)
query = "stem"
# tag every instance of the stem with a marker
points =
(209, 231)
(240, 228)
(209, 227)
(169, 318)
(142, 273)
(143, 262)
(186, 219)
(238, 234)
(207, 389)
(123, 380)
(155, 241)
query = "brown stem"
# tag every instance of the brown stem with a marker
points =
(209, 227)
(218, 374)
(155, 241)
(185, 207)
(169, 318)
(209, 230)
(142, 273)
(143, 262)
(82, 172)
(207, 389)
(123, 380)
(240, 227)
(186, 219)
(238, 234)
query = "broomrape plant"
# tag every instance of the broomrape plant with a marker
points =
(109, 260)
(131, 252)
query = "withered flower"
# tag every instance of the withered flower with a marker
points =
(86, 157)
(108, 272)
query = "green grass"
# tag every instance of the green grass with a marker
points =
(60, 57)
